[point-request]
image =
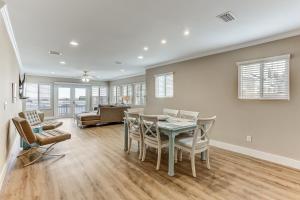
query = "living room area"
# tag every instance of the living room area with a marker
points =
(136, 100)
(59, 97)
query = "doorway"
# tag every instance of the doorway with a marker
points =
(71, 99)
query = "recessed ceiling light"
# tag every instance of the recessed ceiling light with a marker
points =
(146, 48)
(122, 70)
(74, 43)
(163, 41)
(62, 62)
(140, 57)
(186, 32)
(52, 72)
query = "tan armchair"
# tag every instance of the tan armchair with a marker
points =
(36, 141)
(36, 118)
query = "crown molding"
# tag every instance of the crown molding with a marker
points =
(127, 76)
(7, 22)
(65, 77)
(230, 48)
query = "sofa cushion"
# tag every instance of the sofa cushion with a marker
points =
(90, 116)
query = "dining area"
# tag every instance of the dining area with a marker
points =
(172, 132)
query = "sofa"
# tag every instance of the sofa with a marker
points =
(103, 115)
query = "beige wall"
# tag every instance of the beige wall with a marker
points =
(134, 79)
(9, 74)
(51, 81)
(210, 85)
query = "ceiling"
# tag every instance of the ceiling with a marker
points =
(117, 30)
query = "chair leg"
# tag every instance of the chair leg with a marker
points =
(140, 150)
(144, 152)
(34, 161)
(193, 165)
(26, 152)
(129, 145)
(42, 154)
(176, 153)
(207, 159)
(158, 158)
(180, 155)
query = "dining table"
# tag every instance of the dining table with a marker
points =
(171, 127)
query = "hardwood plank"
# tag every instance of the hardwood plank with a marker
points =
(96, 167)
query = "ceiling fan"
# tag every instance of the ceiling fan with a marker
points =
(86, 77)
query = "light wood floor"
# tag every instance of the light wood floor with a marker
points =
(96, 167)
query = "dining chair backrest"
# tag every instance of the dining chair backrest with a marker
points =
(170, 112)
(205, 126)
(150, 127)
(133, 121)
(135, 110)
(191, 115)
(24, 129)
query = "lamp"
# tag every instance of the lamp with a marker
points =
(125, 98)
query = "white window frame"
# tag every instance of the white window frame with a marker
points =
(39, 96)
(100, 98)
(262, 61)
(113, 99)
(126, 87)
(165, 85)
(141, 98)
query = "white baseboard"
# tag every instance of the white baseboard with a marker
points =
(289, 162)
(6, 164)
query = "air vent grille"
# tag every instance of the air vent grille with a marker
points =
(226, 17)
(51, 52)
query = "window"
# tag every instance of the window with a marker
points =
(113, 99)
(143, 93)
(119, 96)
(139, 93)
(99, 96)
(31, 91)
(103, 95)
(265, 78)
(116, 95)
(164, 85)
(95, 96)
(44, 96)
(39, 96)
(127, 92)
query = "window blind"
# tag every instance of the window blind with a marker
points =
(114, 95)
(31, 92)
(137, 92)
(44, 96)
(164, 85)
(265, 78)
(103, 95)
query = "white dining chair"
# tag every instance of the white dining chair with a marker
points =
(135, 110)
(152, 137)
(197, 143)
(190, 115)
(170, 112)
(134, 131)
